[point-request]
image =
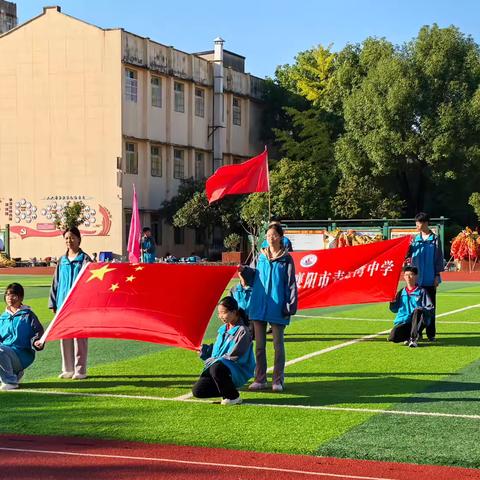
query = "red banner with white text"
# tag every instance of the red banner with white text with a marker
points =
(350, 275)
(160, 303)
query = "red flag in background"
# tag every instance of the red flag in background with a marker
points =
(160, 303)
(247, 177)
(350, 275)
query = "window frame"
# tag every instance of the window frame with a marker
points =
(158, 171)
(131, 166)
(179, 97)
(237, 111)
(178, 164)
(131, 85)
(200, 102)
(156, 98)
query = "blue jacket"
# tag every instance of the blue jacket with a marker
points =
(233, 347)
(18, 331)
(405, 303)
(427, 256)
(274, 291)
(148, 244)
(64, 277)
(242, 296)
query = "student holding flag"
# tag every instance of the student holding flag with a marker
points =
(74, 350)
(273, 300)
(148, 246)
(229, 363)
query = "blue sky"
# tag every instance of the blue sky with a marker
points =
(268, 32)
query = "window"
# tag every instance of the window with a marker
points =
(155, 161)
(199, 165)
(131, 85)
(200, 236)
(132, 158)
(156, 84)
(237, 111)
(200, 102)
(156, 226)
(179, 104)
(179, 236)
(237, 160)
(178, 164)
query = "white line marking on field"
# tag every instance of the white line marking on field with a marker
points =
(385, 320)
(311, 355)
(188, 396)
(458, 310)
(250, 403)
(191, 462)
(332, 348)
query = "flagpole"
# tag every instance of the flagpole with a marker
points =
(269, 197)
(47, 330)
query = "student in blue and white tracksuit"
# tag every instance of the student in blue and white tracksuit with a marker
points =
(229, 363)
(20, 332)
(413, 308)
(426, 255)
(148, 246)
(273, 300)
(74, 350)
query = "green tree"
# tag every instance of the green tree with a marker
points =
(474, 201)
(73, 215)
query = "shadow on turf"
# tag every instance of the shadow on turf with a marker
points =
(369, 390)
(177, 381)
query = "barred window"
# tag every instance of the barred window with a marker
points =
(132, 158)
(131, 85)
(156, 84)
(199, 165)
(155, 161)
(179, 101)
(237, 111)
(200, 102)
(178, 164)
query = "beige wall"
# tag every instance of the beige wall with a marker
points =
(60, 128)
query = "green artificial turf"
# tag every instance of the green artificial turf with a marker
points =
(374, 374)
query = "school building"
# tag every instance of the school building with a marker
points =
(87, 112)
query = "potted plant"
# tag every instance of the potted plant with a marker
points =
(232, 244)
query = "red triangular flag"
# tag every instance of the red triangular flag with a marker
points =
(247, 177)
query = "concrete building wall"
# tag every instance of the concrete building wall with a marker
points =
(60, 132)
(76, 100)
(8, 16)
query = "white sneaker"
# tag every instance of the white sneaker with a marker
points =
(277, 387)
(257, 386)
(235, 401)
(406, 342)
(9, 386)
(413, 344)
(66, 375)
(79, 376)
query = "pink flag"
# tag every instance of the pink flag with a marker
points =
(135, 233)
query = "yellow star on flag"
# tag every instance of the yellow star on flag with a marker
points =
(131, 278)
(99, 273)
(114, 287)
(138, 269)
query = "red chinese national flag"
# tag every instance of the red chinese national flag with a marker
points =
(247, 177)
(160, 303)
(350, 275)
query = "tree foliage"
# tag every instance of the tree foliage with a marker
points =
(72, 215)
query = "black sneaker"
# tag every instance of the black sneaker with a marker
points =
(432, 339)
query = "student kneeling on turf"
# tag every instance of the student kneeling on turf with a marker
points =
(20, 332)
(230, 363)
(412, 306)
